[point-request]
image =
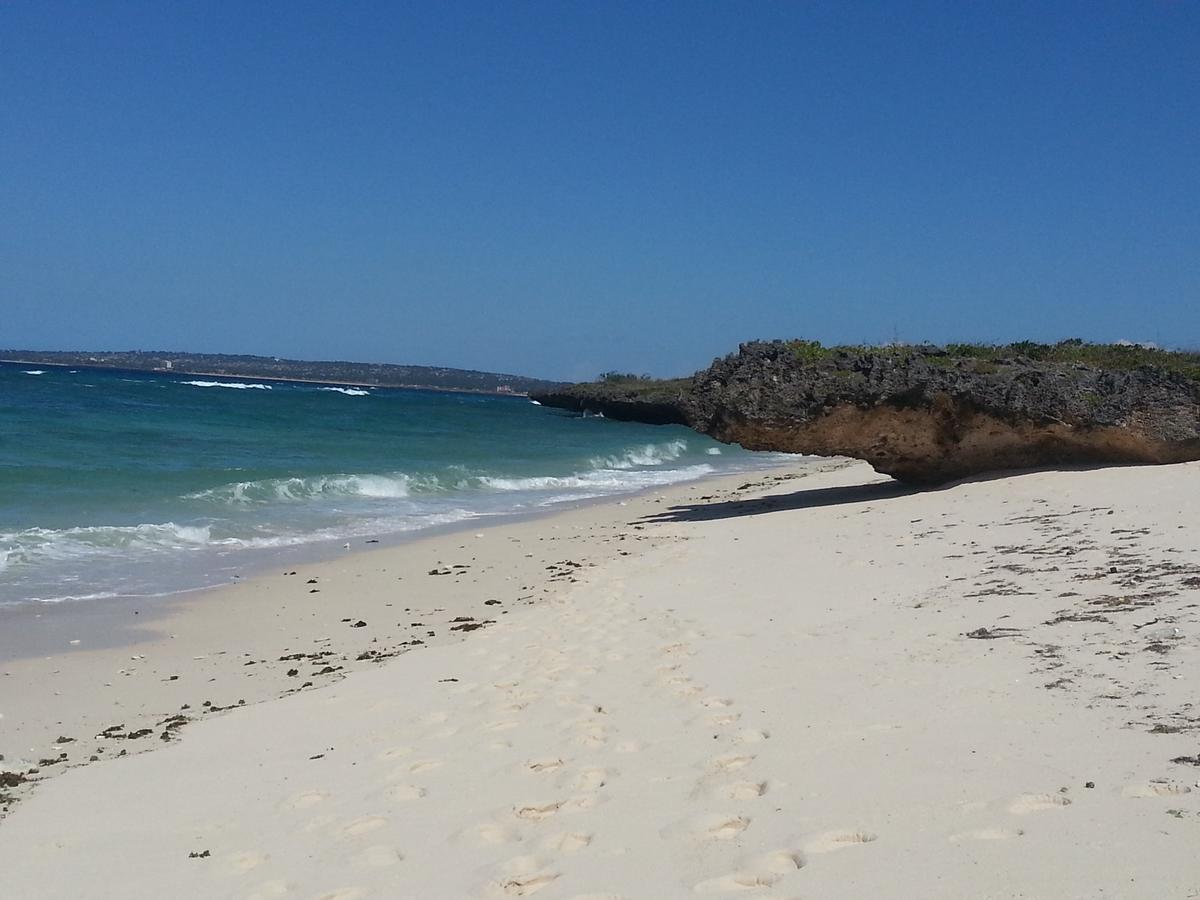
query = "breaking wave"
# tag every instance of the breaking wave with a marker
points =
(349, 392)
(235, 385)
(603, 481)
(63, 544)
(646, 455)
(289, 490)
(34, 372)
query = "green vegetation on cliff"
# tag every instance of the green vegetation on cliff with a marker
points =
(1122, 357)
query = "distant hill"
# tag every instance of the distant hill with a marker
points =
(270, 367)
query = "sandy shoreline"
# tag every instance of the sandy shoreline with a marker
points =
(812, 687)
(77, 669)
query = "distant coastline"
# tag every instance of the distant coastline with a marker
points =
(351, 374)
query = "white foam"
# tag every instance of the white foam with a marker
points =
(713, 451)
(291, 490)
(645, 455)
(236, 385)
(381, 486)
(66, 598)
(349, 392)
(604, 481)
(42, 544)
(34, 372)
(360, 528)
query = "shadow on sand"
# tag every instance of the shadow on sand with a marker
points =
(810, 499)
(816, 498)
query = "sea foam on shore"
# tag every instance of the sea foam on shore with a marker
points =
(155, 486)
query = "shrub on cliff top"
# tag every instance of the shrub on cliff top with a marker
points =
(1122, 357)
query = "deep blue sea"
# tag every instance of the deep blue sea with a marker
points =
(122, 483)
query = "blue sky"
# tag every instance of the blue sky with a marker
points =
(558, 188)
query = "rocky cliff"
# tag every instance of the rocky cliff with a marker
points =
(928, 414)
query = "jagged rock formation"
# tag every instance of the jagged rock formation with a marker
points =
(920, 414)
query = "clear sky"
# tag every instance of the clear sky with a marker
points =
(561, 188)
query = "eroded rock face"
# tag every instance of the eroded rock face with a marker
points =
(918, 414)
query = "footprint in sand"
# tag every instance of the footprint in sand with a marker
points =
(751, 736)
(677, 649)
(731, 762)
(766, 871)
(725, 829)
(829, 841)
(721, 719)
(567, 842)
(362, 826)
(781, 862)
(537, 811)
(394, 753)
(318, 824)
(544, 764)
(1028, 803)
(524, 885)
(987, 834)
(744, 790)
(683, 686)
(713, 826)
(489, 833)
(737, 882)
(307, 799)
(377, 857)
(268, 890)
(347, 893)
(425, 765)
(241, 863)
(587, 801)
(593, 737)
(1156, 789)
(405, 793)
(524, 875)
(591, 779)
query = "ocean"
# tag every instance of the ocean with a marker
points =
(116, 483)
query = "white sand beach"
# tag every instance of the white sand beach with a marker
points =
(817, 685)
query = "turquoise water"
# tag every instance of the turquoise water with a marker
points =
(116, 483)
